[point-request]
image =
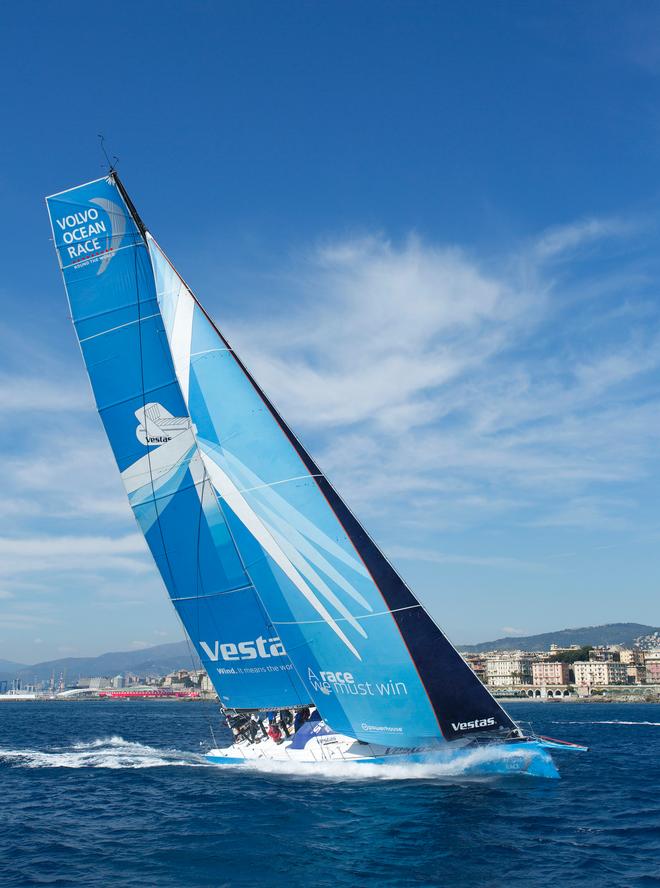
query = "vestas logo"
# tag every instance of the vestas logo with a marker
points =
(244, 650)
(158, 426)
(473, 725)
(86, 235)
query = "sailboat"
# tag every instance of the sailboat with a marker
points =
(295, 613)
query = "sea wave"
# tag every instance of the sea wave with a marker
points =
(105, 752)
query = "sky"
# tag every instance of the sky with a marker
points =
(430, 229)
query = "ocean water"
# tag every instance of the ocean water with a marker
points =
(117, 794)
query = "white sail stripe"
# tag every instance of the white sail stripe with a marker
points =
(147, 473)
(120, 327)
(296, 518)
(385, 613)
(164, 459)
(229, 492)
(181, 339)
(302, 545)
(299, 562)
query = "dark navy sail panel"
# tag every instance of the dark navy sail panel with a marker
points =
(110, 284)
(368, 653)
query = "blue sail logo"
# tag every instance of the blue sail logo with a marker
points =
(87, 236)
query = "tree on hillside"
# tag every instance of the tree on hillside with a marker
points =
(571, 656)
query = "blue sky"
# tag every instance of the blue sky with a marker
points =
(432, 231)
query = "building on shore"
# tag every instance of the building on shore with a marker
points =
(631, 656)
(509, 669)
(604, 655)
(636, 673)
(546, 672)
(652, 665)
(599, 672)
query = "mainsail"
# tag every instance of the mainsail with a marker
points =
(110, 283)
(283, 547)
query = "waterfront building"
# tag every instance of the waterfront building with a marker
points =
(652, 664)
(477, 664)
(509, 669)
(603, 655)
(631, 656)
(549, 673)
(600, 672)
(636, 673)
(118, 681)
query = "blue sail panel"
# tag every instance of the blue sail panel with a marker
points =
(110, 284)
(367, 651)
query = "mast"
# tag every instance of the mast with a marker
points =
(101, 244)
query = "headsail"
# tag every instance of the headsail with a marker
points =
(367, 651)
(110, 284)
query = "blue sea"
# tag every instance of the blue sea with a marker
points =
(117, 794)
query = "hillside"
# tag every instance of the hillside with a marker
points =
(610, 633)
(158, 660)
(164, 658)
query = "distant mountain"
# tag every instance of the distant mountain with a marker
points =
(158, 660)
(610, 633)
(164, 658)
(10, 666)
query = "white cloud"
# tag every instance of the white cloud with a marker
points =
(381, 327)
(39, 394)
(563, 240)
(411, 553)
(38, 554)
(426, 379)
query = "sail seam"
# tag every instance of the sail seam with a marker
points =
(120, 327)
(208, 351)
(213, 594)
(275, 483)
(343, 619)
(87, 258)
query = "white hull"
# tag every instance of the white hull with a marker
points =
(336, 749)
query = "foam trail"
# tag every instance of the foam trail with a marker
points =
(108, 752)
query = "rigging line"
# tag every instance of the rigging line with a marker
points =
(144, 405)
(112, 164)
(395, 610)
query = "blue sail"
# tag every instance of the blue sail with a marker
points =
(109, 279)
(367, 652)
